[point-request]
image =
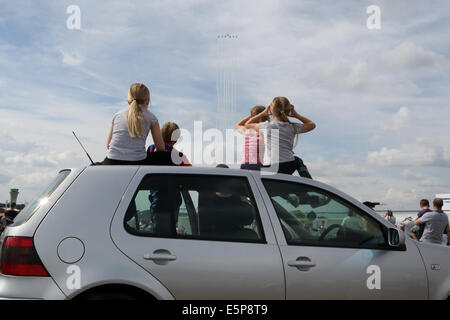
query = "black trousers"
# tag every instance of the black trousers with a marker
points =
(157, 158)
(251, 166)
(291, 166)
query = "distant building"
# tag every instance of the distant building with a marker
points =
(13, 194)
(446, 198)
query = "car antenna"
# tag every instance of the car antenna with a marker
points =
(83, 148)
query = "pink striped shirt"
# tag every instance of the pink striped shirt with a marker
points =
(253, 147)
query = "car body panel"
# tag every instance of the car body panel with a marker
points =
(85, 213)
(437, 263)
(206, 269)
(343, 273)
(14, 287)
(337, 268)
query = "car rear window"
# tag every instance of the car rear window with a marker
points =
(32, 207)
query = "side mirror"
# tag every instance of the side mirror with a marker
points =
(396, 238)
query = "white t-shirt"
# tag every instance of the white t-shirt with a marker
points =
(123, 146)
(435, 224)
(408, 225)
(353, 223)
(280, 150)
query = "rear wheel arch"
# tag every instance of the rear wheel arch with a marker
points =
(114, 292)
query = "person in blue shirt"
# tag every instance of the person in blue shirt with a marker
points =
(170, 133)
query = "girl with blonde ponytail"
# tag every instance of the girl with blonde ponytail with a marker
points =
(130, 128)
(281, 151)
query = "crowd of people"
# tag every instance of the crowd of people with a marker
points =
(431, 226)
(130, 128)
(8, 217)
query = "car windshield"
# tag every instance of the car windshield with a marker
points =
(32, 207)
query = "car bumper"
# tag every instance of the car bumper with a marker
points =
(29, 288)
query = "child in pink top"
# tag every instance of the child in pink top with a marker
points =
(253, 142)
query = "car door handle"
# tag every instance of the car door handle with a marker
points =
(160, 257)
(301, 262)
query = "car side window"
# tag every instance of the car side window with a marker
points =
(312, 216)
(205, 207)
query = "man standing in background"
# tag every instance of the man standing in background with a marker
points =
(436, 222)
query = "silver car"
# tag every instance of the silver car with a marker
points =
(130, 232)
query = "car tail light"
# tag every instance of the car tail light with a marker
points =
(19, 258)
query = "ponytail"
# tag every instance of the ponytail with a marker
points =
(134, 117)
(137, 96)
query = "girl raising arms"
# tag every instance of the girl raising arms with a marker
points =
(281, 151)
(253, 141)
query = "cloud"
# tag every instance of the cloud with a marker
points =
(4, 178)
(32, 180)
(71, 59)
(409, 175)
(399, 121)
(393, 195)
(419, 153)
(346, 76)
(34, 159)
(408, 56)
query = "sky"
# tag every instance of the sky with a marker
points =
(380, 97)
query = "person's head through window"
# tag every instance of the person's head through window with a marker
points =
(13, 206)
(311, 216)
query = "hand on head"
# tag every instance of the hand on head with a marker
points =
(292, 112)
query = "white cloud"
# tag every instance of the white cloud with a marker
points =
(419, 153)
(71, 59)
(399, 121)
(346, 76)
(52, 159)
(409, 57)
(394, 195)
(409, 175)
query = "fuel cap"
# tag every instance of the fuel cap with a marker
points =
(70, 250)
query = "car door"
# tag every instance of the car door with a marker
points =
(203, 236)
(333, 249)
